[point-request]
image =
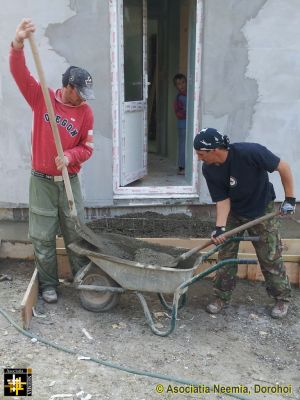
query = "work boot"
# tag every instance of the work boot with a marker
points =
(49, 295)
(280, 309)
(216, 306)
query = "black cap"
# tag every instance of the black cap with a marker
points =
(209, 139)
(81, 80)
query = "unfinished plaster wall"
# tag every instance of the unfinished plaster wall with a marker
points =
(84, 40)
(251, 84)
(15, 115)
(69, 32)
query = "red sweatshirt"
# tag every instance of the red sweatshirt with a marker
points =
(75, 124)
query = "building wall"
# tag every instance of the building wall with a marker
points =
(251, 76)
(68, 33)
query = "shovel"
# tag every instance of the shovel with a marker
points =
(227, 235)
(84, 231)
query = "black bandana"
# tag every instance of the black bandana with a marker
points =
(209, 139)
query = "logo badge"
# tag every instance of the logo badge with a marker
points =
(232, 182)
(17, 382)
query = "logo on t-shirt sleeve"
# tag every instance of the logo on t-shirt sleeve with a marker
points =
(233, 182)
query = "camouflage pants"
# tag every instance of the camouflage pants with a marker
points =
(268, 250)
(49, 211)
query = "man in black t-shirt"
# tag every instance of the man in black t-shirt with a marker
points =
(238, 181)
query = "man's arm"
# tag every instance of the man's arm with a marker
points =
(28, 86)
(286, 176)
(223, 209)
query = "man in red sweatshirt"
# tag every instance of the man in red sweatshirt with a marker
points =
(48, 205)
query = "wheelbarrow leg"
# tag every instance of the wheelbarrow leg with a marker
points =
(149, 319)
(181, 303)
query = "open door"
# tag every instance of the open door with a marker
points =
(159, 38)
(191, 66)
(133, 144)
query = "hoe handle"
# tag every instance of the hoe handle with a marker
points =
(229, 234)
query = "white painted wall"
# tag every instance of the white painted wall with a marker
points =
(251, 81)
(274, 63)
(15, 117)
(69, 32)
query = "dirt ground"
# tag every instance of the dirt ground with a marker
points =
(241, 346)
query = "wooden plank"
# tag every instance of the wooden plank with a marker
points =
(60, 242)
(63, 263)
(64, 268)
(259, 274)
(242, 271)
(30, 300)
(291, 246)
(252, 272)
(293, 271)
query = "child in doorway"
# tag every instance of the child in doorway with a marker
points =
(179, 81)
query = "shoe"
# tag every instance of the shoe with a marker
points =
(280, 309)
(216, 306)
(180, 171)
(49, 295)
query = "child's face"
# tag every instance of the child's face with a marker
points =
(181, 85)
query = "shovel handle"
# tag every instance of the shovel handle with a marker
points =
(52, 120)
(229, 234)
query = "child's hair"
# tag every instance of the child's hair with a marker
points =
(177, 77)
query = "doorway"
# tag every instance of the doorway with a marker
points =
(157, 39)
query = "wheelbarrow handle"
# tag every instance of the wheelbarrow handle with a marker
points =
(227, 235)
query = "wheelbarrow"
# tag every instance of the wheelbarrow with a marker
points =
(106, 277)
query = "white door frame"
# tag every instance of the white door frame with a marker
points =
(116, 54)
(133, 126)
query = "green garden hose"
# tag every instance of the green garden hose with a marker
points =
(110, 364)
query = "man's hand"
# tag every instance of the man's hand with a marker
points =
(288, 206)
(22, 32)
(61, 162)
(217, 235)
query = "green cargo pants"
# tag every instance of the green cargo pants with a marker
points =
(268, 250)
(49, 211)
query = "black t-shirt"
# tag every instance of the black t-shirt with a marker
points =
(243, 178)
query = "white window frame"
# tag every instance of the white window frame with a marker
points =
(116, 55)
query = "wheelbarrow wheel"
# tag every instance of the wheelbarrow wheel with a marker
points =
(98, 301)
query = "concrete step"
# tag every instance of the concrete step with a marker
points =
(14, 231)
(14, 240)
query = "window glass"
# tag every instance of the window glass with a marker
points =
(133, 49)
